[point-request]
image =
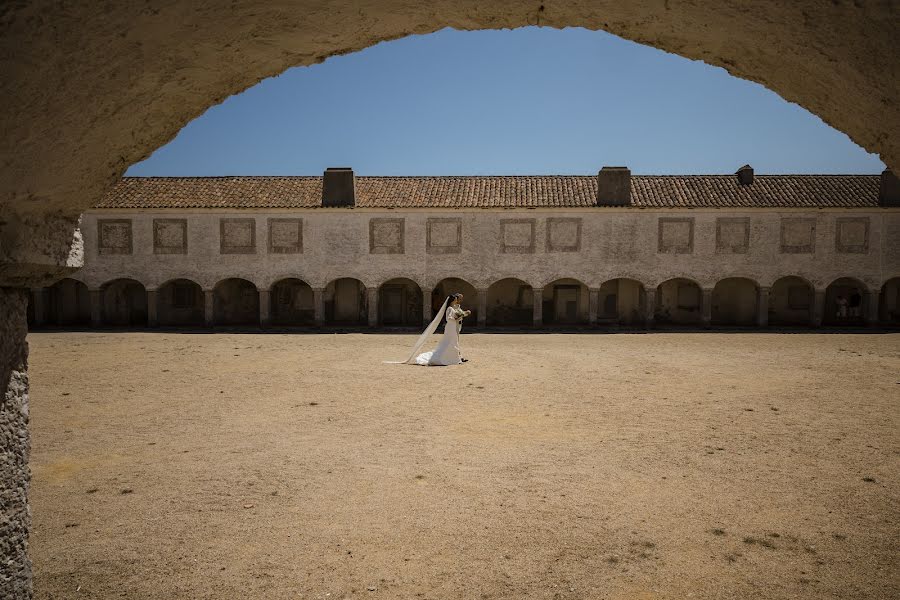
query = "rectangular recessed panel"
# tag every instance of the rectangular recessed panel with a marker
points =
(170, 236)
(285, 236)
(676, 235)
(798, 235)
(114, 236)
(237, 236)
(386, 236)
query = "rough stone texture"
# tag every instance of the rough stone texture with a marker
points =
(15, 517)
(89, 90)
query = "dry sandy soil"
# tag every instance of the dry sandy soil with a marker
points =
(550, 466)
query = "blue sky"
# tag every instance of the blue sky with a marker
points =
(526, 101)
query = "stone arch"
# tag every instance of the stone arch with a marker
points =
(565, 301)
(791, 301)
(291, 302)
(622, 301)
(267, 283)
(68, 303)
(510, 301)
(400, 302)
(180, 302)
(856, 295)
(735, 301)
(345, 302)
(844, 54)
(889, 302)
(124, 303)
(235, 302)
(679, 301)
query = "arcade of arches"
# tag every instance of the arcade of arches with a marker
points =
(347, 302)
(68, 134)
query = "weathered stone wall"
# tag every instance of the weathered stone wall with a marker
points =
(647, 245)
(15, 518)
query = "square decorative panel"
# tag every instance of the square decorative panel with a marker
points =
(563, 234)
(285, 236)
(517, 236)
(732, 235)
(443, 236)
(676, 235)
(114, 236)
(798, 235)
(386, 236)
(170, 236)
(237, 236)
(851, 235)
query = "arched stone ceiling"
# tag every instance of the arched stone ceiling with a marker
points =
(91, 88)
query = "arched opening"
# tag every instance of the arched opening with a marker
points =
(679, 302)
(345, 302)
(68, 303)
(734, 302)
(565, 302)
(400, 302)
(180, 302)
(846, 301)
(889, 302)
(235, 302)
(124, 303)
(621, 301)
(292, 303)
(510, 302)
(791, 301)
(452, 285)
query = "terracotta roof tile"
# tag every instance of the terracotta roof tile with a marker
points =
(647, 191)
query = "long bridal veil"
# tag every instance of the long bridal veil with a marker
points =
(424, 337)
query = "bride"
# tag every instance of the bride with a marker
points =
(447, 351)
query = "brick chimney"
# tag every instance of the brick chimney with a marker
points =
(614, 186)
(889, 189)
(745, 175)
(338, 187)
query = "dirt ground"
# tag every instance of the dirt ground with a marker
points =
(622, 466)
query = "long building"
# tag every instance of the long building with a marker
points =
(610, 249)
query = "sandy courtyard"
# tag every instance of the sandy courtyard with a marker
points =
(550, 466)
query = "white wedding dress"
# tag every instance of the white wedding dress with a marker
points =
(447, 352)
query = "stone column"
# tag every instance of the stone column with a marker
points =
(538, 307)
(36, 250)
(593, 305)
(319, 306)
(426, 306)
(40, 306)
(265, 299)
(15, 518)
(482, 308)
(818, 309)
(649, 307)
(209, 316)
(152, 318)
(706, 307)
(871, 315)
(96, 308)
(762, 307)
(372, 294)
